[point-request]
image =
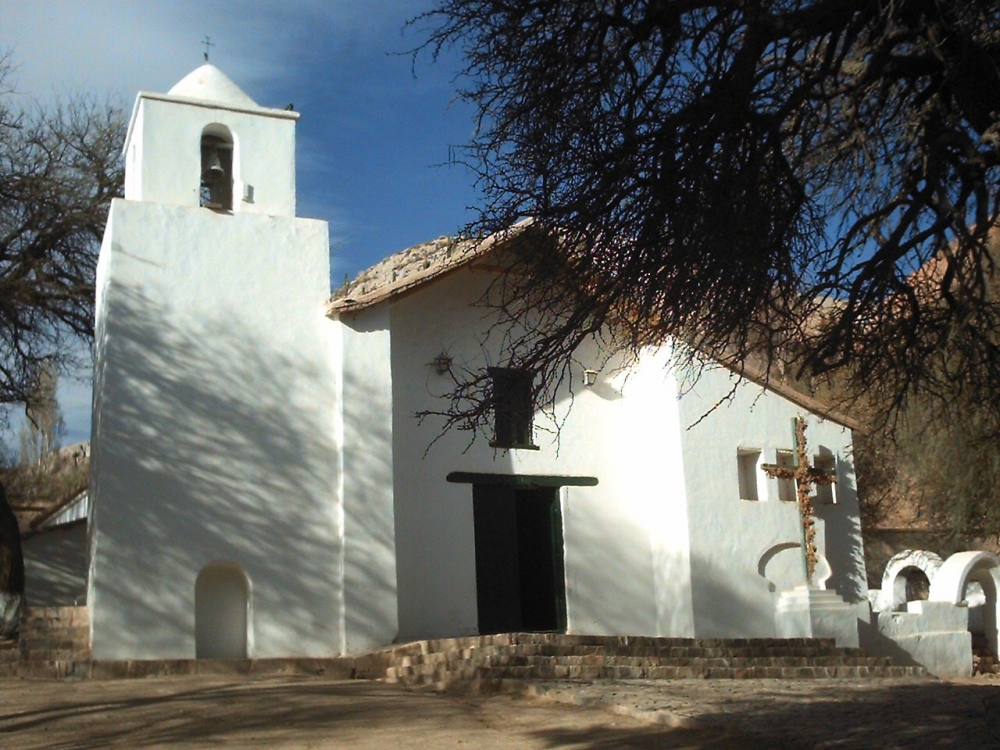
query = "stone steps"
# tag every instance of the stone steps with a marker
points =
(640, 662)
(525, 656)
(545, 671)
(488, 661)
(547, 644)
(681, 653)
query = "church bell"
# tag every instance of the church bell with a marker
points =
(211, 165)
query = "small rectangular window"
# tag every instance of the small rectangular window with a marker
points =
(825, 492)
(513, 407)
(786, 487)
(747, 460)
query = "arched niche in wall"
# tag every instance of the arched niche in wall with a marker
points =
(782, 566)
(222, 603)
(217, 162)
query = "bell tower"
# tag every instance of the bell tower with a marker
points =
(206, 143)
(214, 479)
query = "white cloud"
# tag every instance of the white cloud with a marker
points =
(120, 47)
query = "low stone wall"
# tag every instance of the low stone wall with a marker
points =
(932, 634)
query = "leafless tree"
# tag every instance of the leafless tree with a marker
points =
(766, 178)
(60, 166)
(43, 427)
(59, 169)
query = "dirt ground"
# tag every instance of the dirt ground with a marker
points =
(240, 712)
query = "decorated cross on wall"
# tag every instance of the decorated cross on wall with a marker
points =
(805, 477)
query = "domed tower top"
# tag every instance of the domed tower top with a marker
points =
(210, 84)
(206, 144)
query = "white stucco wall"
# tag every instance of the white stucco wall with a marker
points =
(625, 539)
(55, 566)
(366, 428)
(934, 635)
(648, 449)
(214, 429)
(740, 549)
(163, 153)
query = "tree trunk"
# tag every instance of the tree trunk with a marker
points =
(11, 570)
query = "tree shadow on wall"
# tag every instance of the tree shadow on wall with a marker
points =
(220, 447)
(370, 588)
(55, 562)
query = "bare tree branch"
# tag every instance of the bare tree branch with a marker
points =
(748, 178)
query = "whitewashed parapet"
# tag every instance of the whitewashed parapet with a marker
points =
(933, 634)
(937, 633)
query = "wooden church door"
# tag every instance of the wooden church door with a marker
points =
(520, 575)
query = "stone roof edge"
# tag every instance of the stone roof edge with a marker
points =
(257, 109)
(797, 397)
(476, 249)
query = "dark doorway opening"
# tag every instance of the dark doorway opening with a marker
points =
(520, 575)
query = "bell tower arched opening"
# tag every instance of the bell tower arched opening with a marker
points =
(216, 190)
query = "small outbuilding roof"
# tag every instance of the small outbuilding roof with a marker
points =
(73, 507)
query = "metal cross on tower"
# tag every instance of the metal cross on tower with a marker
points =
(805, 477)
(207, 41)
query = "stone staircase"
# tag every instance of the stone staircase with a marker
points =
(488, 660)
(54, 644)
(54, 641)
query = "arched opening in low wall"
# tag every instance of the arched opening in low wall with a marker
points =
(908, 577)
(222, 612)
(981, 597)
(912, 585)
(959, 581)
(975, 599)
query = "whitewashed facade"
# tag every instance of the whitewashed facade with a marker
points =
(656, 538)
(262, 487)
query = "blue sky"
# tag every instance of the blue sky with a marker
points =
(374, 131)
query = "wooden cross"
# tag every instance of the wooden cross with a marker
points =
(805, 477)
(207, 41)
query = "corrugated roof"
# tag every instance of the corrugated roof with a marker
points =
(74, 506)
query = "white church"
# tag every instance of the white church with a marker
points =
(261, 486)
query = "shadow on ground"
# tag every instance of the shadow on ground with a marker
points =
(197, 712)
(810, 714)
